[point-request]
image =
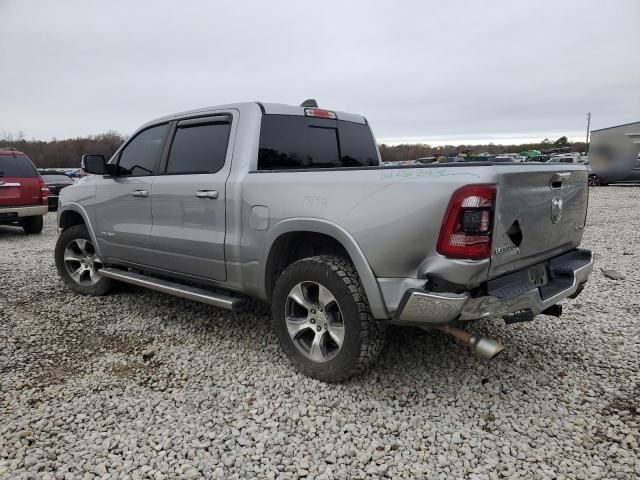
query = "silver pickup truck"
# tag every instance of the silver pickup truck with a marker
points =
(291, 205)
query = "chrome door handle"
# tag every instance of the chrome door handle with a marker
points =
(212, 194)
(140, 193)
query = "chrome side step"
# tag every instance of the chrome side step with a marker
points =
(175, 289)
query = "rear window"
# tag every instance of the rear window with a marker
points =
(16, 166)
(290, 142)
(59, 178)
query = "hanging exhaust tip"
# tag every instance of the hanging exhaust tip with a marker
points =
(481, 346)
(485, 347)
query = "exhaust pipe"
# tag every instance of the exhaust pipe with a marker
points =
(482, 346)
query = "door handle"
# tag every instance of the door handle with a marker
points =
(212, 194)
(140, 193)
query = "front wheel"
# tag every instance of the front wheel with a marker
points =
(321, 316)
(78, 264)
(594, 180)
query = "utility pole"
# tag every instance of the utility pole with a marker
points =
(586, 143)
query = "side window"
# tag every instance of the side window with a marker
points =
(142, 154)
(199, 148)
(291, 142)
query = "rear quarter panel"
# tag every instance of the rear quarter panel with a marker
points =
(394, 215)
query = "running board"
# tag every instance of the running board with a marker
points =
(175, 289)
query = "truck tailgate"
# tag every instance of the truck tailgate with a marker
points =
(540, 213)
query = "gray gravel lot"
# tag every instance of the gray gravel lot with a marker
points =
(142, 385)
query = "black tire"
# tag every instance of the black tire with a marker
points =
(32, 225)
(78, 232)
(363, 335)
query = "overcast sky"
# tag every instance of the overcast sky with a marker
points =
(419, 71)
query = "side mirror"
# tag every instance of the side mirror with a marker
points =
(94, 164)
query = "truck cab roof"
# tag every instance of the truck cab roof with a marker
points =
(266, 108)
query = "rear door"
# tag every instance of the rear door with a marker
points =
(19, 181)
(123, 201)
(635, 173)
(189, 225)
(540, 213)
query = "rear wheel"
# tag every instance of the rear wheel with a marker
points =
(321, 316)
(594, 180)
(32, 225)
(78, 264)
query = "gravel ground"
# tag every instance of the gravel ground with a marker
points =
(142, 385)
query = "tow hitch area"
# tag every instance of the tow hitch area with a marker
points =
(481, 346)
(517, 317)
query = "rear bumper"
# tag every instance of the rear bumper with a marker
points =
(26, 211)
(512, 293)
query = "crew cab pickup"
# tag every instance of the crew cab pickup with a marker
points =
(292, 205)
(23, 193)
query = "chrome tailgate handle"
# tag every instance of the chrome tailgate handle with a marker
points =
(557, 179)
(140, 193)
(212, 194)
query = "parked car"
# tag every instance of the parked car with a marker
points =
(537, 158)
(503, 159)
(604, 177)
(562, 159)
(291, 205)
(23, 194)
(55, 181)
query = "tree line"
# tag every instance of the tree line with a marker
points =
(63, 153)
(67, 153)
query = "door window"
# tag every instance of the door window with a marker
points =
(199, 148)
(141, 155)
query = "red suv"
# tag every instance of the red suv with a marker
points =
(23, 193)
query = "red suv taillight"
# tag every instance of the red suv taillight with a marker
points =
(44, 192)
(466, 229)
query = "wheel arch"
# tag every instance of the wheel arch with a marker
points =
(284, 248)
(74, 214)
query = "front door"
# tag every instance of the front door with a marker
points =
(123, 200)
(188, 199)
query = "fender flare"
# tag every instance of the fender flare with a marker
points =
(79, 209)
(317, 225)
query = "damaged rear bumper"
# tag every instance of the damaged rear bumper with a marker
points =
(532, 289)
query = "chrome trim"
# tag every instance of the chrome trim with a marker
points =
(427, 308)
(26, 211)
(6, 184)
(175, 289)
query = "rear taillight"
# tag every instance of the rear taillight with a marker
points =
(44, 192)
(466, 229)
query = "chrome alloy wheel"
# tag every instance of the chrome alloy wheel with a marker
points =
(81, 262)
(314, 321)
